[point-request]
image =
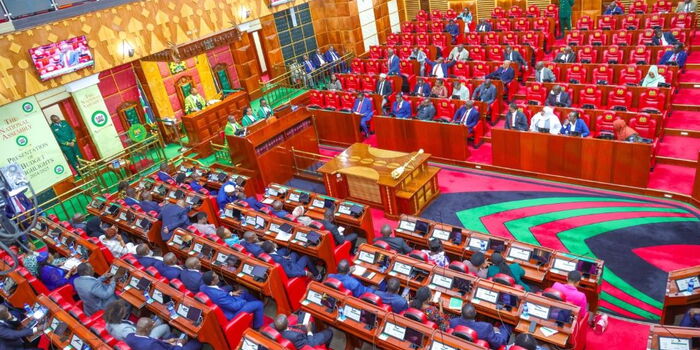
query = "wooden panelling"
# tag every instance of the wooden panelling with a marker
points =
(246, 62)
(271, 46)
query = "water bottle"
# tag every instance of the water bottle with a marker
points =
(691, 286)
(147, 296)
(341, 313)
(525, 313)
(483, 246)
(2, 284)
(171, 310)
(72, 251)
(28, 310)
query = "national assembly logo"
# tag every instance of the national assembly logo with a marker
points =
(27, 107)
(99, 118)
(59, 169)
(22, 140)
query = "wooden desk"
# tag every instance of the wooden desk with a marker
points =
(608, 161)
(164, 193)
(267, 149)
(209, 176)
(443, 341)
(389, 334)
(132, 222)
(670, 334)
(374, 261)
(253, 339)
(591, 283)
(272, 286)
(337, 128)
(207, 331)
(363, 173)
(677, 300)
(15, 288)
(410, 272)
(560, 70)
(607, 89)
(450, 284)
(565, 331)
(208, 124)
(485, 298)
(75, 330)
(58, 239)
(315, 210)
(313, 302)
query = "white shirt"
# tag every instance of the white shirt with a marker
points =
(116, 247)
(457, 55)
(540, 121)
(437, 70)
(320, 59)
(462, 93)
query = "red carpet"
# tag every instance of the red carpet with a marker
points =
(482, 154)
(690, 76)
(681, 147)
(672, 178)
(684, 120)
(687, 96)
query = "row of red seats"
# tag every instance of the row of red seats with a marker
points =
(544, 24)
(532, 11)
(615, 54)
(533, 39)
(468, 69)
(621, 74)
(476, 53)
(633, 22)
(649, 100)
(620, 37)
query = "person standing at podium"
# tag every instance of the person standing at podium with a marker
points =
(194, 102)
(364, 108)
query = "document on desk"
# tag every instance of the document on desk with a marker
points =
(283, 236)
(359, 270)
(548, 332)
(268, 201)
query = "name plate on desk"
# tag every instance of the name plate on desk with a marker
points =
(564, 265)
(407, 225)
(352, 313)
(441, 234)
(436, 345)
(671, 343)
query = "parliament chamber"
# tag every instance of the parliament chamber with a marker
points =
(336, 174)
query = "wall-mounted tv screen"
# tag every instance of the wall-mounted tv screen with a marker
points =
(62, 57)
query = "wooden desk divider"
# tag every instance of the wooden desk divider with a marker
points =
(253, 339)
(557, 322)
(214, 176)
(672, 337)
(208, 330)
(215, 257)
(59, 239)
(75, 335)
(15, 288)
(678, 299)
(315, 208)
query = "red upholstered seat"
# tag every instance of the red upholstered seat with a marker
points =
(422, 15)
(450, 13)
(458, 266)
(494, 53)
(662, 6)
(509, 38)
(498, 12)
(436, 15)
(372, 66)
(480, 69)
(621, 38)
(351, 82)
(604, 123)
(521, 25)
(315, 99)
(418, 316)
(464, 332)
(376, 52)
(331, 100)
(533, 11)
(504, 279)
(590, 97)
(177, 284)
(598, 38)
(477, 54)
(151, 270)
(630, 75)
(620, 99)
(586, 54)
(422, 27)
(369, 82)
(652, 101)
(644, 125)
(531, 38)
(383, 245)
(337, 285)
(602, 74)
(645, 37)
(461, 69)
(574, 38)
(502, 24)
(357, 65)
(612, 55)
(554, 294)
(406, 68)
(585, 23)
(393, 39)
(515, 11)
(681, 21)
(422, 39)
(407, 27)
(445, 109)
(542, 24)
(419, 255)
(668, 73)
(436, 26)
(655, 21)
(577, 73)
(638, 7)
(607, 22)
(640, 55)
(536, 93)
(631, 22)
(404, 52)
(376, 301)
(491, 38)
(472, 38)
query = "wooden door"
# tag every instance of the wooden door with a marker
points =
(85, 142)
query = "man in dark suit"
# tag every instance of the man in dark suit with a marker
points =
(164, 173)
(504, 73)
(453, 29)
(485, 92)
(467, 115)
(663, 38)
(191, 276)
(339, 238)
(515, 119)
(170, 268)
(439, 68)
(401, 108)
(426, 110)
(145, 256)
(226, 194)
(396, 243)
(308, 64)
(318, 59)
(543, 74)
(392, 63)
(558, 97)
(349, 282)
(130, 197)
(252, 201)
(278, 210)
(514, 56)
(363, 107)
(384, 88)
(173, 216)
(496, 337)
(140, 339)
(293, 264)
(422, 88)
(11, 333)
(147, 203)
(392, 296)
(250, 243)
(483, 26)
(232, 302)
(566, 56)
(299, 334)
(675, 57)
(613, 9)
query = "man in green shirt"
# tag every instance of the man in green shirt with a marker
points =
(248, 117)
(565, 15)
(232, 126)
(265, 110)
(65, 136)
(194, 102)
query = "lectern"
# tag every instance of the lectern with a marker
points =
(364, 174)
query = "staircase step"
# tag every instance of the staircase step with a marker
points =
(680, 147)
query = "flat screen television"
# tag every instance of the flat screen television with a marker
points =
(63, 57)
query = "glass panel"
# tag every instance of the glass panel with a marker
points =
(19, 8)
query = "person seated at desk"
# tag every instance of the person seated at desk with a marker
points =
(265, 111)
(334, 84)
(527, 342)
(253, 202)
(558, 97)
(419, 56)
(248, 118)
(436, 254)
(383, 88)
(173, 216)
(499, 265)
(653, 78)
(339, 238)
(130, 197)
(51, 274)
(298, 214)
(116, 244)
(232, 302)
(567, 55)
(232, 128)
(504, 73)
(202, 225)
(515, 119)
(349, 282)
(401, 108)
(250, 243)
(194, 102)
(12, 333)
(477, 264)
(495, 336)
(278, 210)
(422, 88)
(140, 339)
(691, 318)
(163, 173)
(460, 91)
(483, 26)
(186, 179)
(421, 302)
(227, 194)
(613, 9)
(439, 90)
(78, 221)
(486, 92)
(396, 243)
(626, 133)
(453, 29)
(363, 107)
(439, 68)
(686, 6)
(574, 126)
(467, 115)
(147, 204)
(170, 268)
(96, 293)
(662, 38)
(145, 256)
(191, 276)
(301, 335)
(116, 317)
(570, 291)
(229, 238)
(93, 227)
(293, 264)
(459, 54)
(544, 74)
(426, 110)
(392, 296)
(514, 56)
(675, 57)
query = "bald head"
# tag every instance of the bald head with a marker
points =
(343, 267)
(193, 263)
(281, 322)
(250, 237)
(143, 250)
(386, 230)
(170, 259)
(277, 205)
(144, 326)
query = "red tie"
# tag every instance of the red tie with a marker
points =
(359, 106)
